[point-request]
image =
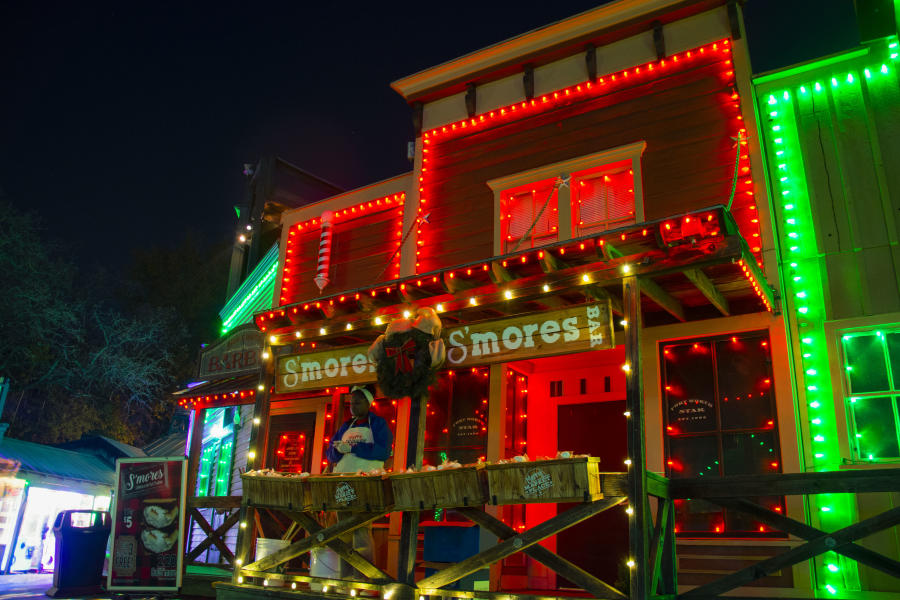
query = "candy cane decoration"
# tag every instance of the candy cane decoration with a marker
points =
(321, 277)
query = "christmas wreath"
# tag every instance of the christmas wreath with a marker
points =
(408, 355)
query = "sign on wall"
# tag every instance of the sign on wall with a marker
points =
(148, 524)
(237, 353)
(577, 329)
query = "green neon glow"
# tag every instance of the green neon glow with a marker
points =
(254, 295)
(804, 303)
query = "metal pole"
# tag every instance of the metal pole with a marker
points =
(638, 525)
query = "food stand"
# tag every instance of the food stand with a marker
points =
(639, 272)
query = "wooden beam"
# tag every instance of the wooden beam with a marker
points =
(409, 522)
(517, 543)
(807, 532)
(306, 544)
(820, 545)
(572, 572)
(708, 289)
(220, 502)
(639, 520)
(454, 285)
(657, 544)
(551, 263)
(213, 537)
(346, 551)
(787, 484)
(598, 292)
(500, 274)
(653, 291)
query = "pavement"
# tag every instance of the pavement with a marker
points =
(25, 586)
(32, 586)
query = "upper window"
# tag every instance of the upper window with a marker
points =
(871, 361)
(573, 198)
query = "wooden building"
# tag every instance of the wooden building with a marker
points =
(588, 214)
(830, 128)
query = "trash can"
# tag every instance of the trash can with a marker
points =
(81, 539)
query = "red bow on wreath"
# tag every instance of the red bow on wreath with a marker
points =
(403, 355)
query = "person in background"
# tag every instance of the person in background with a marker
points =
(362, 443)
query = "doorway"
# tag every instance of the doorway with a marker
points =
(290, 442)
(598, 545)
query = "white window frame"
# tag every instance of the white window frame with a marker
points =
(631, 152)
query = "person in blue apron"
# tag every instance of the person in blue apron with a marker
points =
(362, 443)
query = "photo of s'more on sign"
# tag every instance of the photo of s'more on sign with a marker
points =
(577, 329)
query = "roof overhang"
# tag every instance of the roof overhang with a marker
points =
(600, 26)
(691, 266)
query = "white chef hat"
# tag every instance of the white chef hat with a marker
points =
(365, 392)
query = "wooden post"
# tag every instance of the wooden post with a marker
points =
(258, 441)
(638, 541)
(409, 525)
(194, 448)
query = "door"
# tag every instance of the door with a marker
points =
(598, 545)
(290, 442)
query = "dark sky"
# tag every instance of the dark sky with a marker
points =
(125, 124)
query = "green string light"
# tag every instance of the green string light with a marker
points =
(805, 305)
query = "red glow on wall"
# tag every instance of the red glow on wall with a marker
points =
(311, 228)
(735, 149)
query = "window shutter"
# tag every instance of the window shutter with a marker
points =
(522, 209)
(604, 202)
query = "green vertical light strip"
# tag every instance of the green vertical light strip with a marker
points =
(254, 294)
(223, 467)
(803, 295)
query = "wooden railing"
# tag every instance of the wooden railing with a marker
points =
(214, 537)
(732, 493)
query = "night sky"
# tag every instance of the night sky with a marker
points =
(126, 124)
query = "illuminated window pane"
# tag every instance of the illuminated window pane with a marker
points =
(743, 368)
(876, 432)
(750, 453)
(867, 371)
(694, 456)
(893, 345)
(690, 387)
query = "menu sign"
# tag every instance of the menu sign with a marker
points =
(148, 524)
(577, 329)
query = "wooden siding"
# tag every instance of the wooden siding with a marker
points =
(849, 138)
(686, 118)
(360, 249)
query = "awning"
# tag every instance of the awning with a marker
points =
(691, 266)
(48, 461)
(219, 392)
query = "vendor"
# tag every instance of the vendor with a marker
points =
(363, 442)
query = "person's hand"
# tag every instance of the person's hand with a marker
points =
(343, 447)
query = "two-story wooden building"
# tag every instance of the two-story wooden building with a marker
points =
(588, 214)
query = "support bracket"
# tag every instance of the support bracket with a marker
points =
(528, 82)
(590, 60)
(470, 99)
(659, 40)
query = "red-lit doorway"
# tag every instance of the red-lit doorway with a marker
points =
(600, 544)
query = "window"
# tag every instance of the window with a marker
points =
(603, 192)
(719, 412)
(219, 426)
(871, 362)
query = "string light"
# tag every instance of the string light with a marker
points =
(804, 277)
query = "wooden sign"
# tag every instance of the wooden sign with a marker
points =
(577, 329)
(237, 353)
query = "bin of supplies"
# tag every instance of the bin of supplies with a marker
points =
(81, 539)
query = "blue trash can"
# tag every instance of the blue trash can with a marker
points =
(81, 539)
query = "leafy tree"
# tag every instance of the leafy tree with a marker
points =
(99, 354)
